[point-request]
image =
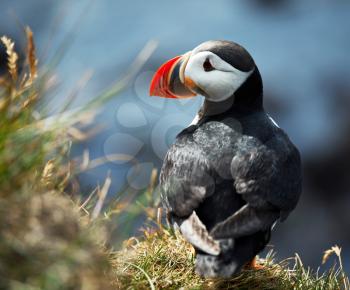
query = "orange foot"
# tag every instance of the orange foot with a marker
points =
(254, 265)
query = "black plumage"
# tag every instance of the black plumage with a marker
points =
(235, 168)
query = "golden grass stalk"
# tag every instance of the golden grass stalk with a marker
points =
(12, 57)
(31, 55)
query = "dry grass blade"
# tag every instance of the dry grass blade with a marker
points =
(48, 170)
(12, 57)
(31, 55)
(86, 159)
(101, 197)
(334, 250)
(105, 159)
(337, 251)
(84, 204)
(153, 180)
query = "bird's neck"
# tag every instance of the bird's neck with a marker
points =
(247, 99)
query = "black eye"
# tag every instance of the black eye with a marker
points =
(207, 65)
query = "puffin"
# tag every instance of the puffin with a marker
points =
(233, 172)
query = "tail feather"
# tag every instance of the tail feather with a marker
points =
(224, 265)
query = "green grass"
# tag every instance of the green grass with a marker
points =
(162, 259)
(49, 240)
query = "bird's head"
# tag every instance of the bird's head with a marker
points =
(216, 70)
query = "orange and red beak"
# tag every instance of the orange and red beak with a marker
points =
(168, 81)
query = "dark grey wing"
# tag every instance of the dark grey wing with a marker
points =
(268, 176)
(185, 178)
(185, 181)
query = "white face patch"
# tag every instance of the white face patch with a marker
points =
(219, 83)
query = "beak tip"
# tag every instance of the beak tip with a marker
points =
(162, 83)
(159, 84)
